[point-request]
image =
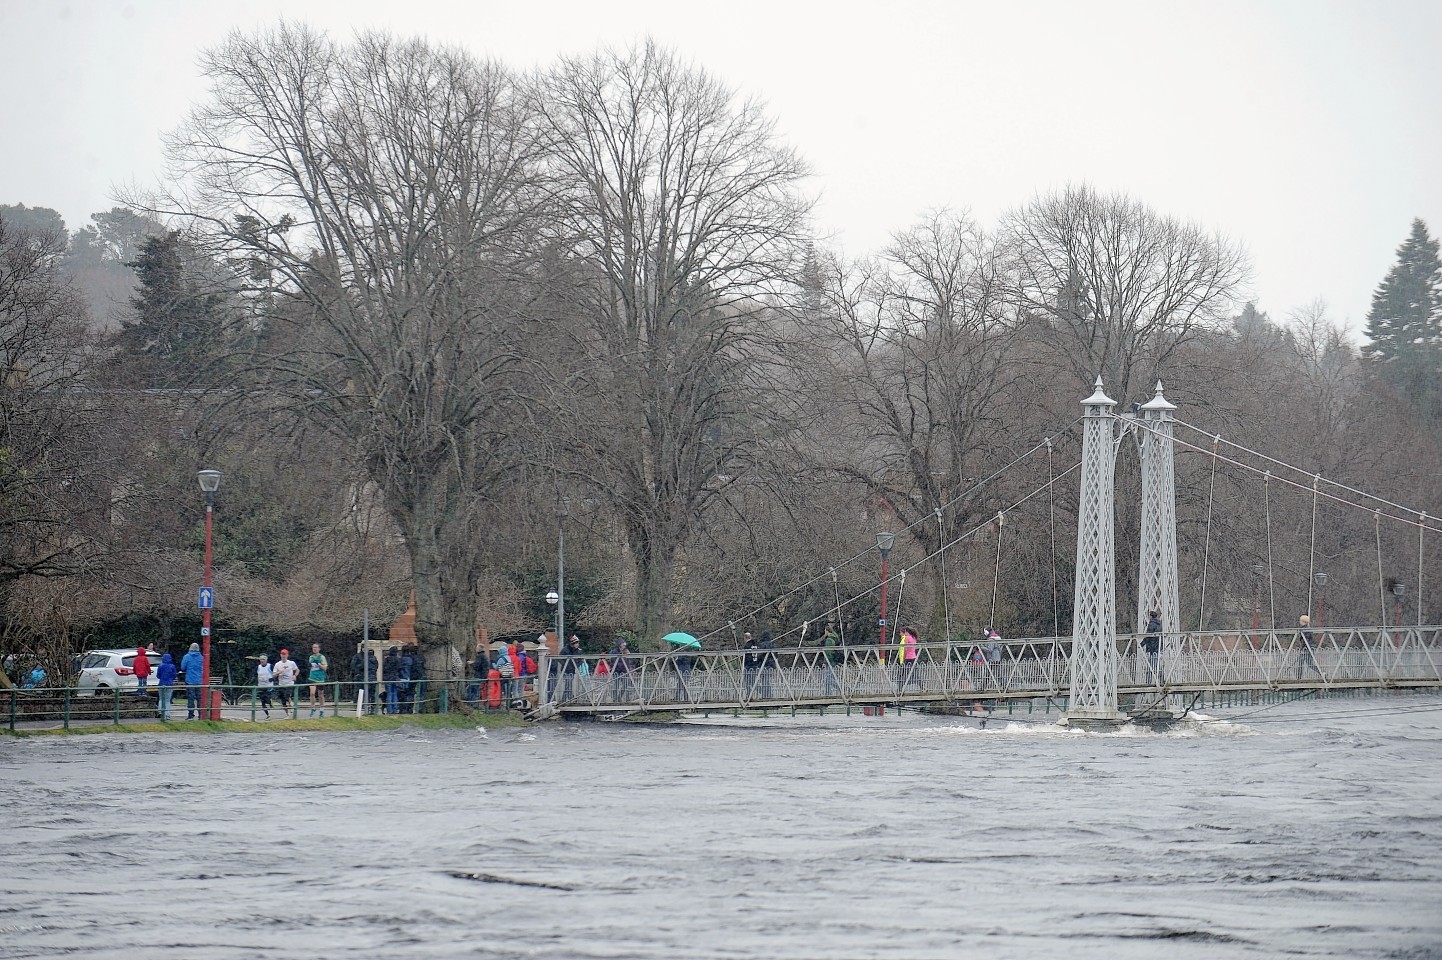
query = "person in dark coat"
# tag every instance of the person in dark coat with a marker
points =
(480, 669)
(768, 663)
(1152, 645)
(750, 662)
(364, 669)
(392, 668)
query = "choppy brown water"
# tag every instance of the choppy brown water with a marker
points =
(1311, 830)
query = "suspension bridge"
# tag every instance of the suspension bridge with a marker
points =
(1099, 676)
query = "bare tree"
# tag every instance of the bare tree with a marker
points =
(386, 192)
(683, 223)
(1114, 287)
(922, 359)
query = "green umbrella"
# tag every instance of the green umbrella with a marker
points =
(682, 640)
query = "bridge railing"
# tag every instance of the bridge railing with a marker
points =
(1013, 668)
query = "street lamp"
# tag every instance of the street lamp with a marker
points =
(1398, 590)
(209, 483)
(1320, 579)
(1258, 571)
(884, 542)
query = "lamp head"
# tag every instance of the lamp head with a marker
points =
(1398, 589)
(884, 542)
(209, 480)
(1320, 579)
(553, 598)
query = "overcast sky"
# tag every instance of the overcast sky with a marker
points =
(1311, 131)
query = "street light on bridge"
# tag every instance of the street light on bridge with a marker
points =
(209, 483)
(884, 542)
(1399, 589)
(1320, 579)
(1258, 571)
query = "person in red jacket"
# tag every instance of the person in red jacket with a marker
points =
(142, 671)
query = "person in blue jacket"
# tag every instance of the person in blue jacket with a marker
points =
(193, 666)
(165, 684)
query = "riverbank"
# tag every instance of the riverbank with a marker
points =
(340, 724)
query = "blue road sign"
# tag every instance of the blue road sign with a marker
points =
(207, 598)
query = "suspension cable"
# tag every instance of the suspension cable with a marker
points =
(1282, 463)
(1207, 548)
(895, 625)
(985, 481)
(996, 576)
(1055, 605)
(941, 559)
(1271, 588)
(1381, 585)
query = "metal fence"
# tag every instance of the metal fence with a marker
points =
(1027, 668)
(66, 706)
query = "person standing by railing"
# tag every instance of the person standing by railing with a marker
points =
(1152, 647)
(750, 663)
(621, 669)
(193, 666)
(392, 671)
(165, 684)
(141, 665)
(1306, 650)
(480, 670)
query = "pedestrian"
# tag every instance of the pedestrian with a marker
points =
(906, 658)
(264, 679)
(318, 667)
(165, 684)
(391, 667)
(141, 666)
(364, 670)
(685, 662)
(831, 656)
(750, 663)
(417, 690)
(193, 666)
(407, 675)
(506, 667)
(993, 650)
(768, 663)
(286, 672)
(621, 669)
(1306, 651)
(571, 664)
(1152, 646)
(480, 669)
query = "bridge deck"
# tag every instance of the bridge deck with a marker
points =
(1032, 668)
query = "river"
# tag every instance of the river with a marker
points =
(1311, 829)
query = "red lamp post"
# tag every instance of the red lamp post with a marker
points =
(884, 542)
(209, 483)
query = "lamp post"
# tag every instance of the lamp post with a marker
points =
(1320, 579)
(1258, 571)
(209, 483)
(884, 542)
(1399, 589)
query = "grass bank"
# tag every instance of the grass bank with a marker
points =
(424, 721)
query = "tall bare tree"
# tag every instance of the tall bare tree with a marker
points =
(924, 363)
(1114, 286)
(683, 221)
(387, 192)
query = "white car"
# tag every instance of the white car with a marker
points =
(105, 671)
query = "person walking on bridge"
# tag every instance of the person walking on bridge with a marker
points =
(831, 655)
(1306, 650)
(750, 663)
(1152, 646)
(906, 654)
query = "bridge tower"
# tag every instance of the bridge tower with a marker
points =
(1093, 687)
(1157, 567)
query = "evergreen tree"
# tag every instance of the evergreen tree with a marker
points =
(1405, 322)
(178, 314)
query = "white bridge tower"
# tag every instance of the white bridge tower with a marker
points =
(1093, 688)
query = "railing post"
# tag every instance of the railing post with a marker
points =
(67, 708)
(14, 706)
(117, 706)
(445, 699)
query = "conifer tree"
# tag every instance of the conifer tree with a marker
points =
(1405, 322)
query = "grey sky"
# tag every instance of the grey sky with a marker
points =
(1309, 131)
